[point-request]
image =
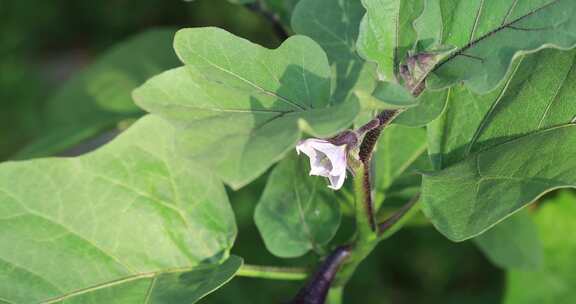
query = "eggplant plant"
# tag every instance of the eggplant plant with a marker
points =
(369, 116)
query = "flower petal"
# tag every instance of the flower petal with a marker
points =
(336, 181)
(326, 159)
(336, 155)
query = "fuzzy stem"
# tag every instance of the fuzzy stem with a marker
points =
(366, 237)
(272, 272)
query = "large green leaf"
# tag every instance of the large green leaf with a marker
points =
(334, 25)
(240, 107)
(554, 283)
(296, 212)
(113, 224)
(537, 96)
(488, 35)
(514, 243)
(477, 193)
(100, 96)
(387, 33)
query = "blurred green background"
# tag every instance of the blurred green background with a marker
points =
(44, 45)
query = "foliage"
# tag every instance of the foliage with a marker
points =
(460, 109)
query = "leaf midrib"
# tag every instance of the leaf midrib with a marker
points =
(265, 91)
(127, 279)
(460, 51)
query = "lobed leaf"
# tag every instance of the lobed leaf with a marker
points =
(470, 197)
(114, 225)
(537, 96)
(488, 35)
(240, 107)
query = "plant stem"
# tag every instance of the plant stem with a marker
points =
(366, 237)
(335, 295)
(279, 29)
(272, 272)
(397, 220)
(316, 290)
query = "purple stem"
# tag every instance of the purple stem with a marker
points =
(316, 290)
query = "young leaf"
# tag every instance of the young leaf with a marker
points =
(394, 95)
(100, 96)
(113, 223)
(429, 105)
(297, 212)
(387, 33)
(488, 35)
(513, 244)
(240, 107)
(554, 283)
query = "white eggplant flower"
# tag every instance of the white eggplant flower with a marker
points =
(326, 159)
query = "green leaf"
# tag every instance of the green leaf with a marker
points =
(398, 148)
(554, 283)
(297, 212)
(189, 287)
(387, 33)
(513, 244)
(429, 105)
(334, 25)
(394, 95)
(535, 101)
(108, 224)
(99, 97)
(167, 288)
(488, 35)
(429, 24)
(470, 197)
(539, 94)
(240, 107)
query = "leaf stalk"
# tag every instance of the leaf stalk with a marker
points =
(273, 272)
